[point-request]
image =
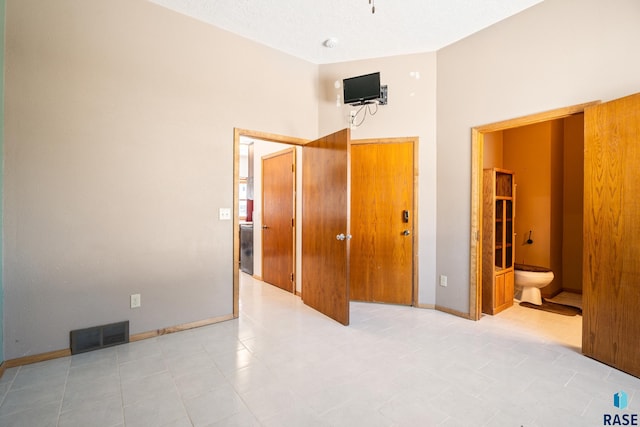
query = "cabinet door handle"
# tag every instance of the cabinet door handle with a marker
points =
(406, 232)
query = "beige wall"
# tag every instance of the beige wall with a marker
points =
(555, 54)
(410, 112)
(119, 153)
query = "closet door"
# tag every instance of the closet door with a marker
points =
(278, 214)
(611, 264)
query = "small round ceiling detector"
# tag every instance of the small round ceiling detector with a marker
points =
(331, 42)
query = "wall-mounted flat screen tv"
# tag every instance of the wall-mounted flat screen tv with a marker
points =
(360, 89)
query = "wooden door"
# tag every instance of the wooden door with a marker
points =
(325, 225)
(278, 219)
(611, 263)
(382, 218)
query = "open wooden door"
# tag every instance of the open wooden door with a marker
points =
(325, 225)
(611, 266)
(278, 219)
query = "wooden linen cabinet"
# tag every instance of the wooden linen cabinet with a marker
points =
(498, 212)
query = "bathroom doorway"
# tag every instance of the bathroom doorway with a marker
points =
(489, 137)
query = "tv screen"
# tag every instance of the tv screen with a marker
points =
(358, 90)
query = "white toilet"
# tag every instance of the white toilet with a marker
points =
(528, 280)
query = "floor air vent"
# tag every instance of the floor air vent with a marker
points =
(83, 340)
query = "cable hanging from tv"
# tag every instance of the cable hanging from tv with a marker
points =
(366, 108)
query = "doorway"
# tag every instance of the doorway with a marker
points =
(611, 224)
(237, 136)
(477, 152)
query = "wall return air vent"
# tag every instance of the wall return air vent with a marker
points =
(96, 337)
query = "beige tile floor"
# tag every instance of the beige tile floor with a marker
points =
(283, 364)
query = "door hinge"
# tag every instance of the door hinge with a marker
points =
(293, 224)
(293, 168)
(292, 276)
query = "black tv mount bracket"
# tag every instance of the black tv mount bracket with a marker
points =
(383, 95)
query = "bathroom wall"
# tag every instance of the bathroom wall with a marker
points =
(492, 150)
(534, 154)
(573, 202)
(556, 213)
(527, 152)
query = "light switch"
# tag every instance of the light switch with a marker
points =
(224, 214)
(135, 300)
(443, 280)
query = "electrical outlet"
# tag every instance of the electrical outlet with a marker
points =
(352, 119)
(443, 280)
(224, 213)
(135, 301)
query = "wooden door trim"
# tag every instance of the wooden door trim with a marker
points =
(415, 208)
(477, 146)
(398, 140)
(284, 152)
(265, 136)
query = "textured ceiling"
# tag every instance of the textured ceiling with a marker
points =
(299, 27)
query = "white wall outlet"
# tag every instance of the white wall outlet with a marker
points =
(135, 301)
(224, 214)
(443, 280)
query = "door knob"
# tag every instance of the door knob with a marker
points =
(341, 236)
(406, 232)
(264, 227)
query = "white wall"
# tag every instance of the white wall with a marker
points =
(410, 112)
(119, 153)
(555, 54)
